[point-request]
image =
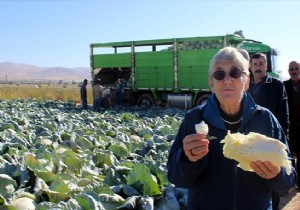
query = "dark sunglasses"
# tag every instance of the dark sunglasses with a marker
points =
(234, 73)
(292, 69)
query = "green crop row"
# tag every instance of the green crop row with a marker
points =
(55, 156)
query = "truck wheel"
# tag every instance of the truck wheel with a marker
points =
(202, 99)
(145, 100)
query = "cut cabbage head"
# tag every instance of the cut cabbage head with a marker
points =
(253, 147)
(201, 128)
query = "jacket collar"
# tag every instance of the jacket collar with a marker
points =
(268, 79)
(212, 115)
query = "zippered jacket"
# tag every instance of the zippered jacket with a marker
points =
(215, 182)
(274, 97)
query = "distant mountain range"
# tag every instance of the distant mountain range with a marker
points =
(18, 72)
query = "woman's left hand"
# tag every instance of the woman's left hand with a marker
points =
(265, 169)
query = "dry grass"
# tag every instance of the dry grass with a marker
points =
(51, 92)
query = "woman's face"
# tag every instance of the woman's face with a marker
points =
(229, 90)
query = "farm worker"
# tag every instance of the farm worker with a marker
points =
(83, 94)
(106, 94)
(267, 91)
(270, 93)
(245, 54)
(213, 181)
(97, 93)
(119, 92)
(293, 91)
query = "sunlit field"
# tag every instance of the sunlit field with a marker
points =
(61, 92)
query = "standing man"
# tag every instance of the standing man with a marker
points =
(269, 92)
(119, 92)
(97, 92)
(83, 94)
(292, 87)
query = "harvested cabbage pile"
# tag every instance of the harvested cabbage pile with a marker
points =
(255, 146)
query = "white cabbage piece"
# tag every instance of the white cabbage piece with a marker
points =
(201, 128)
(253, 147)
(24, 203)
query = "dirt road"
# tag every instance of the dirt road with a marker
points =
(291, 201)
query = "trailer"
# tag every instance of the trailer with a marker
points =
(166, 72)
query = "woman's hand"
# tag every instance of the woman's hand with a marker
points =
(265, 169)
(195, 146)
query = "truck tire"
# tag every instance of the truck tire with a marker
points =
(202, 99)
(145, 100)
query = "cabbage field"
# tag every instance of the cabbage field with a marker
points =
(55, 156)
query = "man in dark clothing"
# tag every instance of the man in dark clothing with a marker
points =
(119, 92)
(83, 94)
(292, 87)
(269, 92)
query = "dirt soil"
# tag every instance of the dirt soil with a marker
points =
(290, 201)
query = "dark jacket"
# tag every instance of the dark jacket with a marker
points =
(119, 88)
(293, 110)
(83, 93)
(274, 97)
(215, 182)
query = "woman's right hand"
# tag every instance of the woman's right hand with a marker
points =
(195, 146)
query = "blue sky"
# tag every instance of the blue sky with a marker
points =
(50, 33)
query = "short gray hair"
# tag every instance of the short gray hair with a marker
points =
(230, 53)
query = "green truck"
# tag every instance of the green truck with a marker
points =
(166, 72)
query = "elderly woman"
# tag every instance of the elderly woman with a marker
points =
(213, 181)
